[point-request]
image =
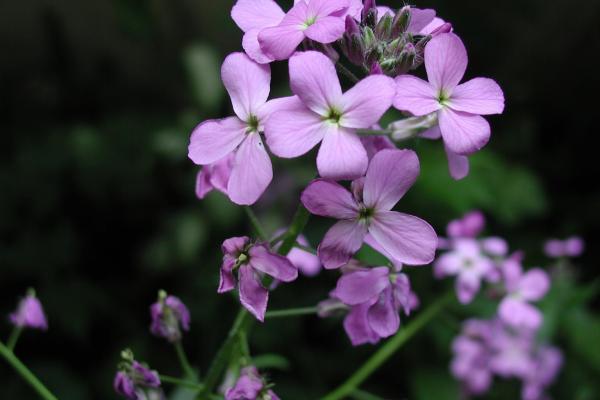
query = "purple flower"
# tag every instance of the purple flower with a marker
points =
(319, 20)
(169, 317)
(521, 289)
(250, 386)
(248, 84)
(458, 107)
(252, 261)
(376, 143)
(468, 263)
(571, 247)
(29, 313)
(547, 363)
(329, 116)
(135, 381)
(367, 211)
(307, 263)
(214, 176)
(469, 226)
(375, 296)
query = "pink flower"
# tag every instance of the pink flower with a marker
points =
(319, 20)
(521, 289)
(458, 107)
(367, 211)
(469, 226)
(571, 247)
(328, 116)
(214, 176)
(248, 84)
(169, 317)
(29, 313)
(468, 263)
(252, 261)
(250, 385)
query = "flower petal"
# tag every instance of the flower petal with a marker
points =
(340, 243)
(313, 78)
(329, 199)
(415, 95)
(321, 8)
(367, 101)
(290, 103)
(357, 326)
(480, 96)
(457, 165)
(252, 47)
(234, 246)
(389, 176)
(227, 280)
(294, 133)
(251, 173)
(326, 29)
(407, 238)
(256, 14)
(467, 286)
(214, 139)
(518, 313)
(342, 155)
(383, 315)
(203, 185)
(419, 19)
(445, 61)
(280, 42)
(463, 133)
(534, 284)
(361, 286)
(275, 265)
(253, 295)
(247, 83)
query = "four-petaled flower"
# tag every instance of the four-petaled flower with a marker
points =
(328, 115)
(367, 211)
(458, 107)
(252, 261)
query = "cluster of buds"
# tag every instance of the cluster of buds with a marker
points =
(392, 43)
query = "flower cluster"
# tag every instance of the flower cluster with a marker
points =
(250, 385)
(169, 317)
(135, 381)
(504, 345)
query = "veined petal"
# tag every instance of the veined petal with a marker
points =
(322, 8)
(340, 243)
(367, 101)
(383, 316)
(480, 96)
(290, 103)
(357, 326)
(457, 165)
(389, 176)
(445, 61)
(329, 199)
(419, 19)
(256, 14)
(214, 139)
(415, 95)
(280, 42)
(251, 173)
(361, 286)
(227, 280)
(252, 47)
(342, 155)
(247, 83)
(253, 295)
(294, 133)
(463, 133)
(377, 247)
(534, 284)
(313, 78)
(326, 29)
(234, 246)
(275, 265)
(407, 238)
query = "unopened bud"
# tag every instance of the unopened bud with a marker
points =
(355, 49)
(406, 59)
(351, 26)
(411, 127)
(376, 69)
(369, 13)
(383, 30)
(401, 21)
(368, 37)
(444, 28)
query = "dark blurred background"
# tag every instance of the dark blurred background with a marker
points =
(97, 205)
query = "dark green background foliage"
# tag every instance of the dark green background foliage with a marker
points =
(97, 208)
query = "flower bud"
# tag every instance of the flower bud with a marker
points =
(351, 26)
(369, 13)
(134, 379)
(376, 69)
(368, 37)
(444, 28)
(410, 127)
(383, 30)
(169, 317)
(29, 313)
(406, 59)
(401, 21)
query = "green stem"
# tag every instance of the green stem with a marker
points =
(183, 361)
(180, 382)
(14, 338)
(256, 223)
(297, 226)
(362, 395)
(292, 312)
(370, 132)
(388, 349)
(346, 72)
(25, 373)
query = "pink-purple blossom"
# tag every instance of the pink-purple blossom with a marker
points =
(29, 313)
(214, 176)
(458, 107)
(169, 317)
(251, 261)
(248, 85)
(135, 380)
(250, 386)
(329, 116)
(469, 225)
(570, 247)
(367, 211)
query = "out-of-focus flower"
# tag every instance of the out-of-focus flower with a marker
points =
(250, 386)
(307, 263)
(570, 247)
(367, 211)
(469, 226)
(251, 261)
(29, 313)
(169, 317)
(328, 116)
(135, 381)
